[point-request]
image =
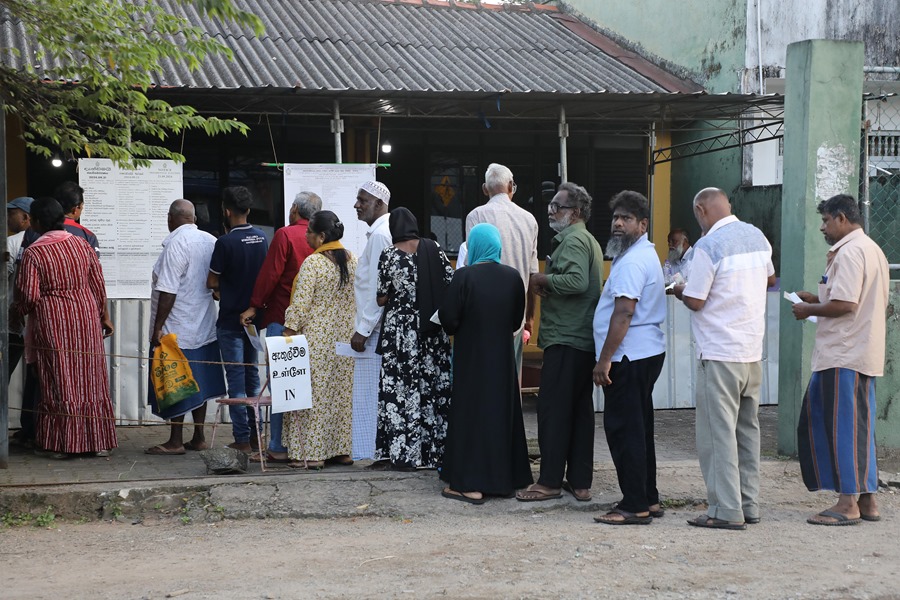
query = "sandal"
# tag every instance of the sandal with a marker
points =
(309, 465)
(580, 497)
(454, 495)
(270, 458)
(628, 518)
(531, 495)
(714, 523)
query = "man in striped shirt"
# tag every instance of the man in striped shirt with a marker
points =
(726, 286)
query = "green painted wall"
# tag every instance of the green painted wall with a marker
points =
(887, 388)
(707, 40)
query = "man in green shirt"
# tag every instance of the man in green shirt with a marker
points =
(569, 291)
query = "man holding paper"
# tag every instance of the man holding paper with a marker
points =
(836, 433)
(730, 271)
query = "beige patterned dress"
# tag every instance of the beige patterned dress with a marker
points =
(323, 311)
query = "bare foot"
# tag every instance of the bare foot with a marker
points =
(868, 507)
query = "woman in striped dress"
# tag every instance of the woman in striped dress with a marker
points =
(62, 291)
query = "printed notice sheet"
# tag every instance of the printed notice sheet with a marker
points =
(127, 210)
(337, 185)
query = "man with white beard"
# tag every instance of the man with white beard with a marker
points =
(678, 257)
(569, 290)
(631, 346)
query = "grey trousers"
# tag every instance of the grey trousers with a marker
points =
(727, 396)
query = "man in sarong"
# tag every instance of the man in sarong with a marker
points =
(371, 207)
(836, 432)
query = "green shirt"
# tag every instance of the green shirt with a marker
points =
(574, 274)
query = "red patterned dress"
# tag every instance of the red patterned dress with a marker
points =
(63, 293)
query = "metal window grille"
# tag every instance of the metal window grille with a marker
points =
(880, 192)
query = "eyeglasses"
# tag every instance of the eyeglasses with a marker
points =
(555, 206)
(515, 187)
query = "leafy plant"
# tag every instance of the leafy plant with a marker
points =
(101, 57)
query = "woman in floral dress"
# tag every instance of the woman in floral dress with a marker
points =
(414, 394)
(322, 308)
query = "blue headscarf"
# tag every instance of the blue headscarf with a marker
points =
(483, 244)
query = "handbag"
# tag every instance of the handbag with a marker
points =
(171, 374)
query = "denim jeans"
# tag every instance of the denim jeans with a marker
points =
(242, 380)
(275, 425)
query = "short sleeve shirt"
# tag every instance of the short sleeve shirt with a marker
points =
(729, 269)
(857, 272)
(237, 259)
(637, 275)
(181, 269)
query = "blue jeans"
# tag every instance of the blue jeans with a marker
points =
(242, 380)
(277, 421)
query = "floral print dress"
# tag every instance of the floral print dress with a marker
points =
(415, 388)
(323, 311)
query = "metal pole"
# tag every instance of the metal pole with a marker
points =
(4, 317)
(864, 169)
(337, 128)
(563, 156)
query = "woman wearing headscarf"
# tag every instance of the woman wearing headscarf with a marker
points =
(414, 394)
(62, 291)
(322, 308)
(486, 453)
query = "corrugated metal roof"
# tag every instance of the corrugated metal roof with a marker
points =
(399, 46)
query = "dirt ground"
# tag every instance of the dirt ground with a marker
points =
(478, 554)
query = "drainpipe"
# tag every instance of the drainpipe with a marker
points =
(563, 156)
(864, 171)
(881, 69)
(759, 45)
(337, 128)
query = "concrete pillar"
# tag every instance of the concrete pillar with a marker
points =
(823, 99)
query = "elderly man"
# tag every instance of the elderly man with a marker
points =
(569, 290)
(836, 433)
(731, 268)
(631, 346)
(677, 258)
(182, 304)
(518, 236)
(371, 207)
(272, 291)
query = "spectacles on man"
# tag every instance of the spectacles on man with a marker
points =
(556, 206)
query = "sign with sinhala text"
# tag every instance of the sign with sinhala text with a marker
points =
(290, 379)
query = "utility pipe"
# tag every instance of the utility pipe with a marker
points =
(563, 155)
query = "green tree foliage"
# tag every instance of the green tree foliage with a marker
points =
(102, 56)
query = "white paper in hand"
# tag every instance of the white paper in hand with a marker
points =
(793, 298)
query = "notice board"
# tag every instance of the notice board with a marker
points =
(337, 185)
(127, 210)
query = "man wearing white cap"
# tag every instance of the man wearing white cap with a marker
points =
(372, 207)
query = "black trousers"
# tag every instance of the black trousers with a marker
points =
(566, 417)
(628, 422)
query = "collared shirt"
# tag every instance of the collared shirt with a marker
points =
(276, 277)
(856, 271)
(574, 277)
(681, 265)
(518, 233)
(730, 267)
(635, 274)
(181, 269)
(368, 313)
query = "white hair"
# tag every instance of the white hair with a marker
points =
(307, 204)
(497, 178)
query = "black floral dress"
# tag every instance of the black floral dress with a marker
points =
(415, 388)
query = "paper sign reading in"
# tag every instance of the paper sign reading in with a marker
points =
(290, 379)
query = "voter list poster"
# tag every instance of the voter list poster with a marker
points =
(337, 185)
(127, 210)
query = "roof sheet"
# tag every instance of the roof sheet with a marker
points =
(410, 46)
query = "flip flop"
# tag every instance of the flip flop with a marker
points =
(656, 514)
(714, 523)
(190, 446)
(568, 487)
(870, 518)
(527, 495)
(840, 520)
(452, 495)
(299, 464)
(255, 457)
(161, 450)
(629, 518)
(342, 462)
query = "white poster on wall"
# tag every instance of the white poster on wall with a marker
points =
(127, 210)
(337, 184)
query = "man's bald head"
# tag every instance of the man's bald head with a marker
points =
(710, 205)
(181, 212)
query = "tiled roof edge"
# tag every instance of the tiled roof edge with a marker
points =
(477, 5)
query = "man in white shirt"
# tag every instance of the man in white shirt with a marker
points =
(182, 304)
(372, 207)
(731, 268)
(518, 237)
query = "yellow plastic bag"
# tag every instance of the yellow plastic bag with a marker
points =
(171, 374)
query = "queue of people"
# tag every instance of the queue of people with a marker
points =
(409, 401)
